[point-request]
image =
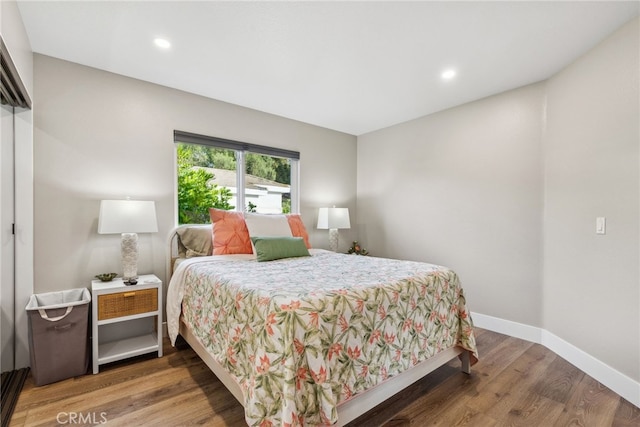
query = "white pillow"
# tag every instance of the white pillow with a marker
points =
(266, 225)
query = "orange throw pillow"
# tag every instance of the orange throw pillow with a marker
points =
(230, 234)
(298, 229)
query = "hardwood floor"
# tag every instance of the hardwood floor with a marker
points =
(514, 383)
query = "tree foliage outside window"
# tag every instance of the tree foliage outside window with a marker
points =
(286, 204)
(196, 192)
(274, 168)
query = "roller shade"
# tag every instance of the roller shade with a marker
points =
(192, 138)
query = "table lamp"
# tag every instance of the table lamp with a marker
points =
(333, 219)
(128, 217)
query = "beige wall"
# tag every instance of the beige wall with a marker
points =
(99, 135)
(592, 282)
(506, 191)
(463, 188)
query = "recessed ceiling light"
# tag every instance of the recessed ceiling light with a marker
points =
(164, 44)
(448, 74)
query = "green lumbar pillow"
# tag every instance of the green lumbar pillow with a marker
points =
(272, 248)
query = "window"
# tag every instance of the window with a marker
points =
(267, 183)
(211, 170)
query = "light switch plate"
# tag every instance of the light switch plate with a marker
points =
(601, 225)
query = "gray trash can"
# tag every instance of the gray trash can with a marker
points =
(58, 334)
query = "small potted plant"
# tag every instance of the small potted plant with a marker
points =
(356, 249)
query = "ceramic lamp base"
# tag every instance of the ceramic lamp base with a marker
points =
(333, 239)
(129, 250)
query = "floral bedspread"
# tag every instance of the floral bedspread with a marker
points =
(301, 335)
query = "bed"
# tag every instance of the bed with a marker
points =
(314, 339)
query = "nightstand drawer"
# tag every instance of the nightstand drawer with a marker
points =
(127, 303)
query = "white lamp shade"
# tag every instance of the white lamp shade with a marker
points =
(333, 218)
(127, 216)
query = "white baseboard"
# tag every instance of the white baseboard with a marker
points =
(507, 327)
(626, 387)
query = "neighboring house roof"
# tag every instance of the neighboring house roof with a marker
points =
(227, 178)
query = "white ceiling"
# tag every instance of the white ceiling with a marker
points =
(349, 66)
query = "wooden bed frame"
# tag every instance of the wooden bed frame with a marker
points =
(348, 410)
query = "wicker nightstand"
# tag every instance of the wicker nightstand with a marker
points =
(126, 320)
